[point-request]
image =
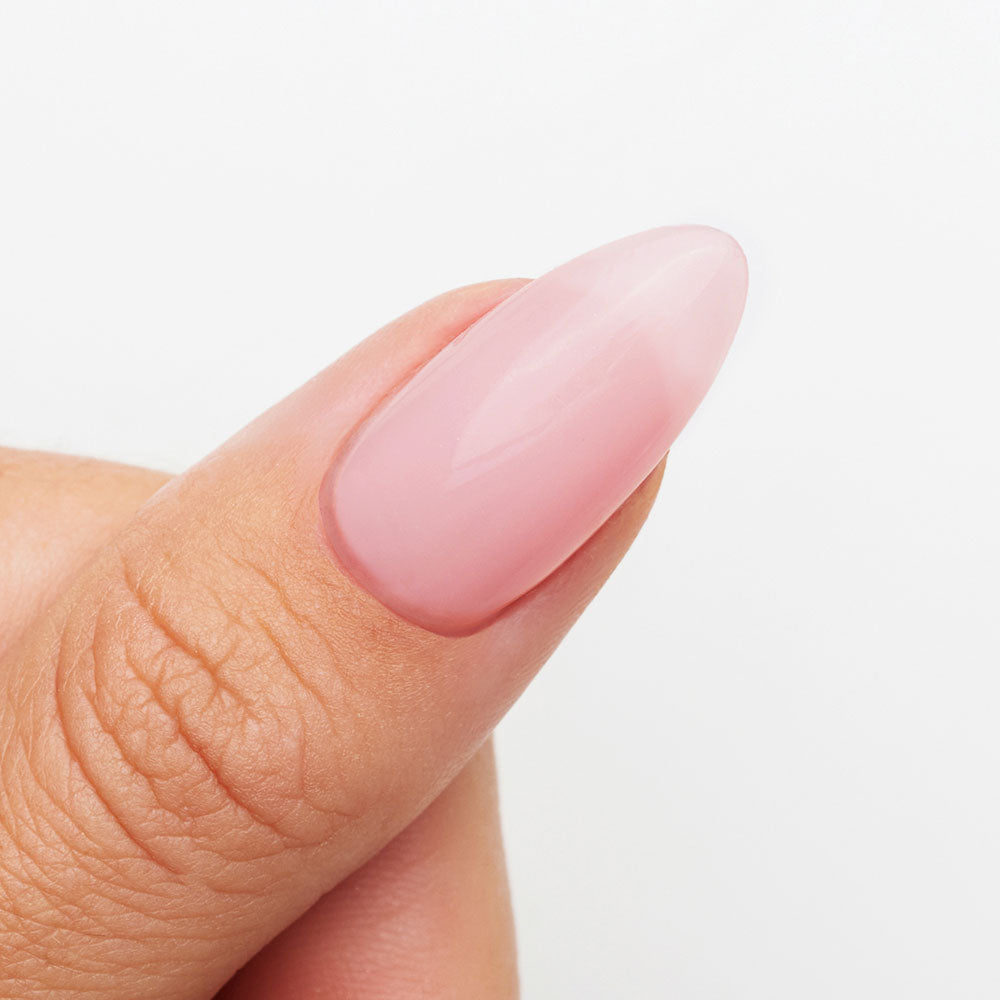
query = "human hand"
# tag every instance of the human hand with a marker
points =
(252, 701)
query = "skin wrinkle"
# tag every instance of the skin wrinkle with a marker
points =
(109, 729)
(175, 720)
(180, 730)
(69, 741)
(153, 785)
(213, 668)
(338, 813)
(145, 601)
(96, 849)
(93, 786)
(77, 913)
(172, 714)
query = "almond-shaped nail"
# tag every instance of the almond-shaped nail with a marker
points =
(512, 446)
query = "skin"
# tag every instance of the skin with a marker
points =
(218, 752)
(428, 916)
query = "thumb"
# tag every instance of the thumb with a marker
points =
(291, 649)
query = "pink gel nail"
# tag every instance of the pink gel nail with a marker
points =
(512, 446)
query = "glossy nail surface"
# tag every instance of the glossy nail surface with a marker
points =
(512, 446)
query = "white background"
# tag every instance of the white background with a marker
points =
(767, 762)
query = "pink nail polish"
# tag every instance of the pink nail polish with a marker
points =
(512, 446)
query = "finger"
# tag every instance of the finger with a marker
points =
(50, 960)
(431, 909)
(428, 918)
(215, 723)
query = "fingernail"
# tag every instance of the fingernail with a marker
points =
(512, 446)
